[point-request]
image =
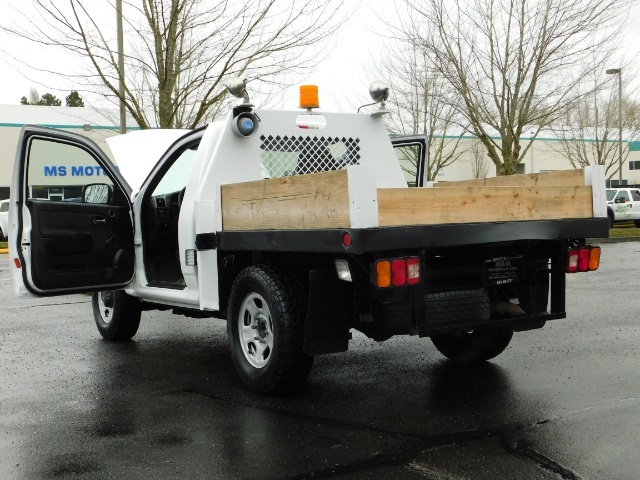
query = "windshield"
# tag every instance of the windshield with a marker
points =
(610, 195)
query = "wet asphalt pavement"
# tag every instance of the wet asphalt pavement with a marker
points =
(562, 402)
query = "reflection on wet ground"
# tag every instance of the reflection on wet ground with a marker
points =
(561, 402)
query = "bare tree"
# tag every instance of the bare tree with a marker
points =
(479, 163)
(588, 131)
(179, 52)
(515, 63)
(421, 103)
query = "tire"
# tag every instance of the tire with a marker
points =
(475, 346)
(117, 315)
(636, 223)
(265, 327)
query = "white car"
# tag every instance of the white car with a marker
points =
(4, 219)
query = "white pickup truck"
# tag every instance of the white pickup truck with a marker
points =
(623, 205)
(296, 228)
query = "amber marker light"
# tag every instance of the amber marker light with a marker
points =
(594, 258)
(383, 273)
(309, 96)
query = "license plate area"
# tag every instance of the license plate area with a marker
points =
(503, 270)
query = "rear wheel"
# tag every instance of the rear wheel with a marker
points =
(265, 327)
(117, 314)
(474, 346)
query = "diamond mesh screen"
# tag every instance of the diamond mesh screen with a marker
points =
(287, 156)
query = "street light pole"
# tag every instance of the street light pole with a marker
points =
(123, 112)
(618, 71)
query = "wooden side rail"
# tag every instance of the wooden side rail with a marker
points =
(559, 178)
(349, 199)
(320, 200)
(431, 206)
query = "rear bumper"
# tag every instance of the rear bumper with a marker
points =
(518, 324)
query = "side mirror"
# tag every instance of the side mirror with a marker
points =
(97, 193)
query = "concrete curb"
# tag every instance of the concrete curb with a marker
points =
(613, 240)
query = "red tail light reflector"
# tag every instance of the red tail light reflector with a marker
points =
(346, 240)
(594, 258)
(413, 270)
(383, 273)
(398, 272)
(583, 259)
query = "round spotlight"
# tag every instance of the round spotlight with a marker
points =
(236, 87)
(245, 124)
(379, 91)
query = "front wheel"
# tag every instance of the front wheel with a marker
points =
(475, 346)
(117, 314)
(265, 326)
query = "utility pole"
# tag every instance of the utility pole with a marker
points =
(123, 112)
(618, 71)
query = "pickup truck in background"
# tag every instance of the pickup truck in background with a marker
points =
(297, 227)
(4, 219)
(623, 205)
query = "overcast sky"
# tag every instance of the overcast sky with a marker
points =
(343, 78)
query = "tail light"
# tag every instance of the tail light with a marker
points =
(397, 272)
(383, 273)
(583, 259)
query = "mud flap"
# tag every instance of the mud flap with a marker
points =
(328, 314)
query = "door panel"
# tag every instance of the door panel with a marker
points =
(74, 231)
(74, 245)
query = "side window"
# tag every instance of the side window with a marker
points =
(622, 197)
(4, 207)
(64, 172)
(408, 156)
(636, 195)
(169, 192)
(178, 174)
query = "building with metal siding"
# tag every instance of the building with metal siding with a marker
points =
(97, 124)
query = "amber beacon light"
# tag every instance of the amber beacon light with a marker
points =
(309, 96)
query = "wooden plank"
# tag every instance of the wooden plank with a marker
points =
(319, 200)
(559, 178)
(429, 206)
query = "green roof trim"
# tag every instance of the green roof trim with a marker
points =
(634, 146)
